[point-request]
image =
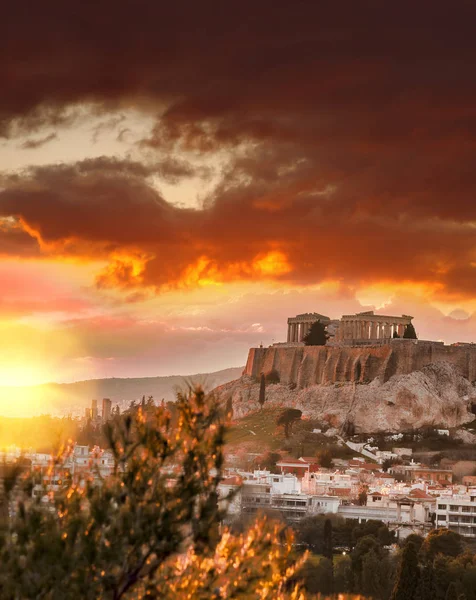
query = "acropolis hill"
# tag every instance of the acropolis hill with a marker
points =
(363, 374)
(361, 348)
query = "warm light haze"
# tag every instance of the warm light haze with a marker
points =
(174, 186)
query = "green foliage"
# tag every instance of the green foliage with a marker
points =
(452, 592)
(395, 335)
(410, 333)
(327, 542)
(372, 584)
(408, 574)
(287, 417)
(268, 461)
(442, 541)
(362, 499)
(151, 529)
(325, 459)
(317, 335)
(272, 376)
(262, 390)
(317, 575)
(425, 588)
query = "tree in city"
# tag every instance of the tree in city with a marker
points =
(425, 589)
(328, 543)
(325, 459)
(317, 335)
(442, 541)
(452, 592)
(287, 418)
(362, 497)
(410, 333)
(407, 575)
(150, 529)
(262, 390)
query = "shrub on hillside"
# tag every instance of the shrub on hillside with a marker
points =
(272, 376)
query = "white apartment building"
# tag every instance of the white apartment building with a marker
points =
(458, 513)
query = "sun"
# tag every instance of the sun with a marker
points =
(16, 375)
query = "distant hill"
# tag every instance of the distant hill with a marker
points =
(65, 398)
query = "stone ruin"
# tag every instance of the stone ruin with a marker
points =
(360, 329)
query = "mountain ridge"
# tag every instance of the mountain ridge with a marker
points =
(74, 397)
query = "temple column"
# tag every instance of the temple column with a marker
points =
(289, 333)
(296, 332)
(373, 330)
(401, 329)
(362, 330)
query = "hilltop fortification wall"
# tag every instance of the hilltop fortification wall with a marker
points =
(310, 365)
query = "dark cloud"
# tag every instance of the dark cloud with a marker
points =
(33, 144)
(107, 209)
(349, 130)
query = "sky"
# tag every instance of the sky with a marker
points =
(178, 179)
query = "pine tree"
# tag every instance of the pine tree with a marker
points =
(407, 575)
(425, 588)
(410, 333)
(262, 390)
(371, 580)
(151, 529)
(328, 544)
(317, 335)
(451, 592)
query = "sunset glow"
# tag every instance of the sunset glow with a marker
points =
(149, 218)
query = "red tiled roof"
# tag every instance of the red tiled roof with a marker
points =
(416, 493)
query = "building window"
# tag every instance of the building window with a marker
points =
(441, 506)
(466, 509)
(454, 508)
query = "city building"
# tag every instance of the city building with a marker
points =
(106, 409)
(458, 513)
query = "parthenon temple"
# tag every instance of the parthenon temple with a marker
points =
(369, 326)
(359, 328)
(299, 325)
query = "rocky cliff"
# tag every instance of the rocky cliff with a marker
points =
(436, 394)
(309, 365)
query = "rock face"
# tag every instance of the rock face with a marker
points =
(435, 395)
(308, 365)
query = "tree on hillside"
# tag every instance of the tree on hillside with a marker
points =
(262, 390)
(151, 529)
(317, 335)
(395, 335)
(287, 418)
(410, 333)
